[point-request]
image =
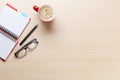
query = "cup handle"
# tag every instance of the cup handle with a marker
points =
(36, 8)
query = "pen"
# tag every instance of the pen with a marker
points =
(28, 35)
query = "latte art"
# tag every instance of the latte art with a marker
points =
(46, 13)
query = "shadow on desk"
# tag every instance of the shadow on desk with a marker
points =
(48, 27)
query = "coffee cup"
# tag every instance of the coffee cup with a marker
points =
(45, 13)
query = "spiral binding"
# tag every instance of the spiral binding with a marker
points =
(8, 32)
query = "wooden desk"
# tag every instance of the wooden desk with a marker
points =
(82, 43)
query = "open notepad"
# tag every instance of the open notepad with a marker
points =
(12, 24)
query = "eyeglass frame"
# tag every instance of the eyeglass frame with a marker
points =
(25, 47)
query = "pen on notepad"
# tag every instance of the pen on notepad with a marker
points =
(28, 35)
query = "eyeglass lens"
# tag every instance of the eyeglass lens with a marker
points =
(33, 45)
(22, 53)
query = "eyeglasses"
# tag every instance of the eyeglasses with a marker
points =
(27, 47)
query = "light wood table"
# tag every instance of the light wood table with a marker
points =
(82, 43)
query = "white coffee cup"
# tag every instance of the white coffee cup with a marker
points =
(45, 13)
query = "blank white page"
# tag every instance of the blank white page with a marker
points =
(13, 20)
(6, 46)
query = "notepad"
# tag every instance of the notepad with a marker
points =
(12, 24)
